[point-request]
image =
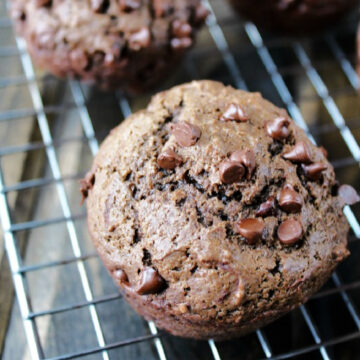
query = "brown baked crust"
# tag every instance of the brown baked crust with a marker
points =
(294, 16)
(182, 222)
(128, 44)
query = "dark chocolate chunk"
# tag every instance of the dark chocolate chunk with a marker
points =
(289, 200)
(231, 171)
(169, 159)
(278, 128)
(246, 158)
(186, 134)
(348, 194)
(234, 112)
(300, 153)
(289, 232)
(314, 171)
(250, 229)
(151, 282)
(266, 208)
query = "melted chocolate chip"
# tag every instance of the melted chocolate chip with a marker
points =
(246, 158)
(313, 171)
(151, 282)
(289, 200)
(231, 171)
(181, 29)
(289, 232)
(348, 194)
(186, 134)
(300, 153)
(169, 159)
(278, 128)
(140, 39)
(234, 112)
(250, 229)
(267, 208)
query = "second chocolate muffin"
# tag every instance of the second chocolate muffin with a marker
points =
(128, 44)
(294, 16)
(213, 212)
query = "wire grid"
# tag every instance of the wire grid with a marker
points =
(233, 71)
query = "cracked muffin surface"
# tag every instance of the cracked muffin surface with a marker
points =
(213, 212)
(295, 16)
(128, 44)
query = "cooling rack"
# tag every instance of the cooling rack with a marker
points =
(67, 304)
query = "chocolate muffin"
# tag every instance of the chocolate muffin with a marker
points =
(128, 44)
(294, 16)
(213, 212)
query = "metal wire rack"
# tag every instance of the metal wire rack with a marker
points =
(59, 278)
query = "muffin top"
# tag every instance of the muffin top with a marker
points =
(108, 27)
(213, 203)
(128, 44)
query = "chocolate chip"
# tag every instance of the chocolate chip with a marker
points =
(87, 184)
(140, 39)
(151, 282)
(129, 5)
(186, 134)
(250, 229)
(278, 128)
(79, 59)
(181, 29)
(231, 171)
(181, 44)
(314, 171)
(323, 150)
(234, 112)
(100, 6)
(289, 232)
(201, 13)
(266, 208)
(289, 200)
(246, 158)
(40, 3)
(340, 252)
(348, 194)
(120, 276)
(300, 153)
(169, 159)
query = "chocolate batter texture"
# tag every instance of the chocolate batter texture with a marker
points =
(128, 44)
(294, 16)
(203, 213)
